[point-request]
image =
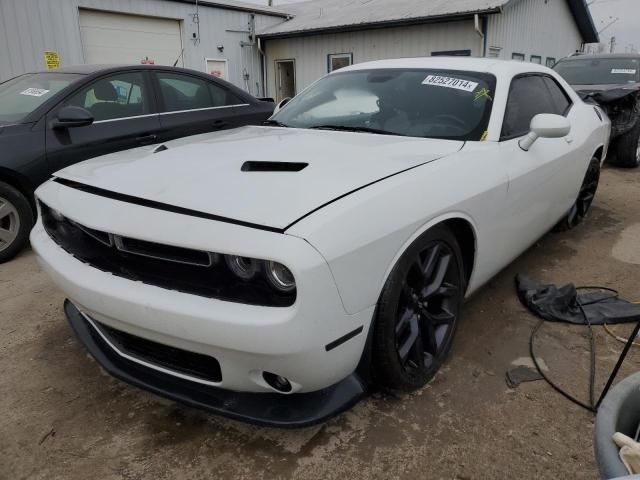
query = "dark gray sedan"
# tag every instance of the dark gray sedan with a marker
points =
(49, 120)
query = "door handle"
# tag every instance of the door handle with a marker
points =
(220, 124)
(146, 139)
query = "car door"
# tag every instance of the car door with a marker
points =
(536, 196)
(125, 116)
(191, 104)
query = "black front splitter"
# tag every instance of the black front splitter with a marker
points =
(266, 409)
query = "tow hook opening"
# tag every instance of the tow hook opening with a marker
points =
(281, 384)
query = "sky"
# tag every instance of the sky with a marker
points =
(626, 29)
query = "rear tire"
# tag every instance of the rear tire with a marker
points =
(16, 221)
(627, 149)
(583, 203)
(418, 312)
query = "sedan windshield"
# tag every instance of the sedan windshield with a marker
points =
(22, 95)
(599, 71)
(407, 102)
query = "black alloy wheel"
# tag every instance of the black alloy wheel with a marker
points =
(418, 312)
(585, 199)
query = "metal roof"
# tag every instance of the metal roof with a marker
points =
(240, 6)
(340, 15)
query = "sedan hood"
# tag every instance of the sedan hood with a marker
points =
(205, 173)
(604, 94)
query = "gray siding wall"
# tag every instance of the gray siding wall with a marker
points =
(311, 52)
(534, 27)
(30, 27)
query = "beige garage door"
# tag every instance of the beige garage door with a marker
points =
(119, 38)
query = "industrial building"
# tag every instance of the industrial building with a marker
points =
(290, 46)
(322, 35)
(217, 37)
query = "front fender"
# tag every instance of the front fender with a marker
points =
(362, 236)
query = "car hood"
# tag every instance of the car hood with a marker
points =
(604, 94)
(205, 173)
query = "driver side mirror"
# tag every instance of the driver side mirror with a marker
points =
(282, 103)
(545, 125)
(70, 117)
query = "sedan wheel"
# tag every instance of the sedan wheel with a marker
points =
(418, 312)
(9, 224)
(16, 220)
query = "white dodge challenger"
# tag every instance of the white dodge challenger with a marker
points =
(276, 274)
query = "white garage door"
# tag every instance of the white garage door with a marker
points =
(119, 38)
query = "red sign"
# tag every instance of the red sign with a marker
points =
(216, 73)
(146, 61)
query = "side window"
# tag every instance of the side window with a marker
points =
(528, 97)
(116, 96)
(184, 92)
(560, 100)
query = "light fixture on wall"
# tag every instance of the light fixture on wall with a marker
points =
(220, 48)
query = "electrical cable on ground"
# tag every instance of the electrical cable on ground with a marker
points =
(592, 406)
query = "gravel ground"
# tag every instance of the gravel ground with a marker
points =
(65, 418)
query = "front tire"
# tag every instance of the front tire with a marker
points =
(16, 220)
(627, 149)
(418, 312)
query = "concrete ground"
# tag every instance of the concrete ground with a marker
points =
(62, 417)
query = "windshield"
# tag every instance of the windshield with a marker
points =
(416, 103)
(599, 71)
(22, 95)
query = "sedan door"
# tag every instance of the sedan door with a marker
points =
(537, 190)
(125, 116)
(191, 104)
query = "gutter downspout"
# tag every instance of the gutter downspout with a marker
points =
(263, 58)
(476, 21)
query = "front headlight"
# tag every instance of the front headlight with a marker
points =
(247, 269)
(242, 267)
(279, 276)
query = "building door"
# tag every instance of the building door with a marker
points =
(109, 37)
(217, 68)
(285, 79)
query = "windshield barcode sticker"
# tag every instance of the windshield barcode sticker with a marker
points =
(449, 82)
(624, 71)
(35, 92)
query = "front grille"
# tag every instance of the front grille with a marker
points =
(192, 364)
(174, 268)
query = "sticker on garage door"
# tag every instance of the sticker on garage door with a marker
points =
(35, 92)
(450, 82)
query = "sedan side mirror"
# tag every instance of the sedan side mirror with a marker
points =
(282, 103)
(70, 117)
(545, 125)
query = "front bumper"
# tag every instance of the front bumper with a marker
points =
(269, 409)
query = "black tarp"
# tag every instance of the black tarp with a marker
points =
(562, 304)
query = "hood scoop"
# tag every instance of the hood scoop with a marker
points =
(273, 166)
(160, 148)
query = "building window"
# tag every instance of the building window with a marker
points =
(536, 59)
(518, 56)
(452, 53)
(339, 60)
(550, 62)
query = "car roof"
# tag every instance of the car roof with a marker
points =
(484, 65)
(100, 68)
(601, 56)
